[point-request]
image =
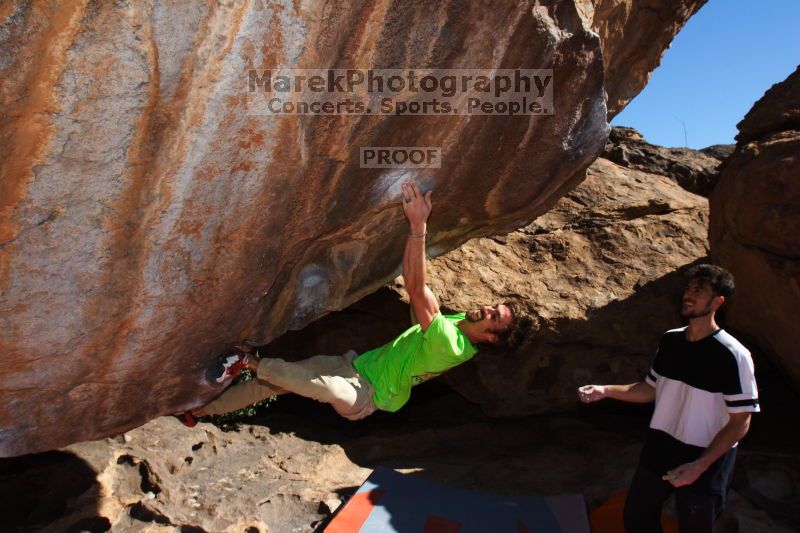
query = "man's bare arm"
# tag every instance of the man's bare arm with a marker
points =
(417, 208)
(731, 433)
(640, 392)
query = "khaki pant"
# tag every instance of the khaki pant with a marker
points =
(326, 378)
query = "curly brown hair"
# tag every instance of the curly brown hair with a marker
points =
(515, 335)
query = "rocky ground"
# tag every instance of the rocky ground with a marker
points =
(287, 470)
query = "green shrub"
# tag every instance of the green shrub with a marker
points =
(240, 415)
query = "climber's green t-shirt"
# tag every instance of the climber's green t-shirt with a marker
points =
(412, 358)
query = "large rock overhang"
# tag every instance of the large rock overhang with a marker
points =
(147, 219)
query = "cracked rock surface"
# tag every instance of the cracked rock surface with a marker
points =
(163, 476)
(755, 224)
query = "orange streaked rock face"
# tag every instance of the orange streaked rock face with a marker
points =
(147, 219)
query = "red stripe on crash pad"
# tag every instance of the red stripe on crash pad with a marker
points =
(437, 524)
(355, 512)
(522, 528)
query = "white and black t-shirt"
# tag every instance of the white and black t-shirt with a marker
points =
(697, 384)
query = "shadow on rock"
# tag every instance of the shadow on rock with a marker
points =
(615, 343)
(54, 490)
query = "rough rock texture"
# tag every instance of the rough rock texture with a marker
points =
(755, 224)
(631, 49)
(777, 111)
(147, 220)
(720, 152)
(598, 272)
(290, 477)
(694, 170)
(164, 476)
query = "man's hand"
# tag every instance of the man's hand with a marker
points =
(639, 392)
(730, 434)
(685, 474)
(591, 393)
(416, 206)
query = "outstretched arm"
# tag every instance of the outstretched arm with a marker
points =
(417, 209)
(639, 392)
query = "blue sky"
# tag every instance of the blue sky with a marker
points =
(720, 63)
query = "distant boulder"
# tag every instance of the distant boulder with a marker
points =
(694, 170)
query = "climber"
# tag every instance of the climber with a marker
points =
(704, 390)
(357, 385)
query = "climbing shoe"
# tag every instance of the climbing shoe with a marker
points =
(187, 419)
(228, 365)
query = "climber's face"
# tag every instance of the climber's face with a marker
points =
(487, 321)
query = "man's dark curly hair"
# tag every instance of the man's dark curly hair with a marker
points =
(514, 336)
(719, 279)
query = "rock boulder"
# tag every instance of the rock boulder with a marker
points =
(694, 170)
(755, 224)
(147, 219)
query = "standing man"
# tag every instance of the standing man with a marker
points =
(703, 385)
(355, 386)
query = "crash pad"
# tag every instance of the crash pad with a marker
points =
(389, 501)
